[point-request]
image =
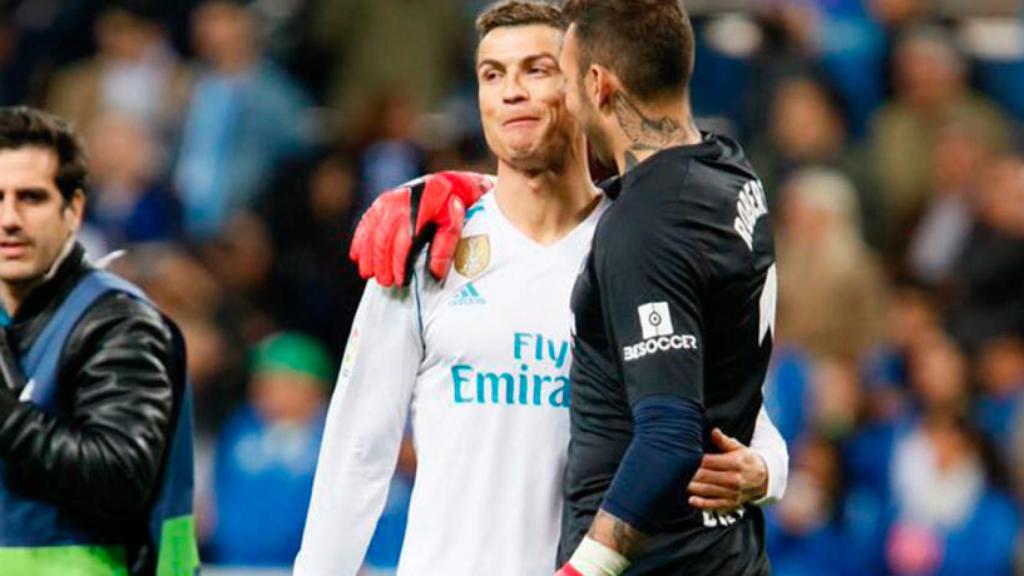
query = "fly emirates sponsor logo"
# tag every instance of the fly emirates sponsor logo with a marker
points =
(540, 377)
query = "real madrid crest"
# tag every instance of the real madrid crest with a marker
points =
(473, 255)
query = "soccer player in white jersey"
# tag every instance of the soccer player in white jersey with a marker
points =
(478, 361)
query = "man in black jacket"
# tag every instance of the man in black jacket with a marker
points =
(95, 412)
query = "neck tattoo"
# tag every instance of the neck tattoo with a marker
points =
(646, 134)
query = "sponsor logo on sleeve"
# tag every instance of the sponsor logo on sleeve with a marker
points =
(657, 332)
(348, 361)
(655, 320)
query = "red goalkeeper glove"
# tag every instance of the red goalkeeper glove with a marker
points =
(387, 240)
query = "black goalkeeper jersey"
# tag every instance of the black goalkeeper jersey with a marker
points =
(677, 297)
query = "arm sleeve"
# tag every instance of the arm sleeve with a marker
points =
(652, 279)
(770, 446)
(653, 282)
(104, 460)
(365, 424)
(666, 446)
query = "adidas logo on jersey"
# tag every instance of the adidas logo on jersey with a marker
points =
(468, 296)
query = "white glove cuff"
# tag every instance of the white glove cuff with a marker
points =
(592, 558)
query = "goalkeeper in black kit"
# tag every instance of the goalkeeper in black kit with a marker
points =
(673, 311)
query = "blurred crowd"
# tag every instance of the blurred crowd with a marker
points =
(234, 142)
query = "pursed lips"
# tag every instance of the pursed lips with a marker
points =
(523, 120)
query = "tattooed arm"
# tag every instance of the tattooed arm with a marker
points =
(616, 534)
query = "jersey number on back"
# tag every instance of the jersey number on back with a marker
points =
(767, 307)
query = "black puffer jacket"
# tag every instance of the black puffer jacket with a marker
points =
(118, 385)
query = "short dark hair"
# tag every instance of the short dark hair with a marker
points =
(23, 127)
(518, 13)
(649, 44)
(143, 10)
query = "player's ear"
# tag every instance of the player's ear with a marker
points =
(73, 210)
(590, 82)
(605, 85)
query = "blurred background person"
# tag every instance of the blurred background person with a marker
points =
(961, 154)
(388, 153)
(951, 513)
(310, 214)
(832, 294)
(266, 455)
(134, 71)
(807, 129)
(808, 533)
(131, 202)
(988, 294)
(410, 48)
(245, 116)
(930, 84)
(1000, 374)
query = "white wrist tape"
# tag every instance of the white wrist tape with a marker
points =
(592, 558)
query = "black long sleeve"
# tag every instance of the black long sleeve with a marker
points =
(103, 458)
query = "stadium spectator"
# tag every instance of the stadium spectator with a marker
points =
(388, 152)
(135, 71)
(831, 290)
(989, 290)
(246, 265)
(950, 518)
(1000, 373)
(913, 317)
(245, 117)
(406, 47)
(847, 43)
(807, 530)
(807, 130)
(961, 153)
(837, 398)
(266, 455)
(131, 204)
(309, 214)
(930, 80)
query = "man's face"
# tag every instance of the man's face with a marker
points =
(578, 100)
(286, 397)
(35, 221)
(221, 31)
(522, 104)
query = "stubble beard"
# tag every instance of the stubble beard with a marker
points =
(550, 156)
(598, 144)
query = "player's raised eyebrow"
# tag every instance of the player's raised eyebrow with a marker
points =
(525, 61)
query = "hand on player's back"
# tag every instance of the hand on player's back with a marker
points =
(729, 479)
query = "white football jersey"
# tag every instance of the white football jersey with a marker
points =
(480, 363)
